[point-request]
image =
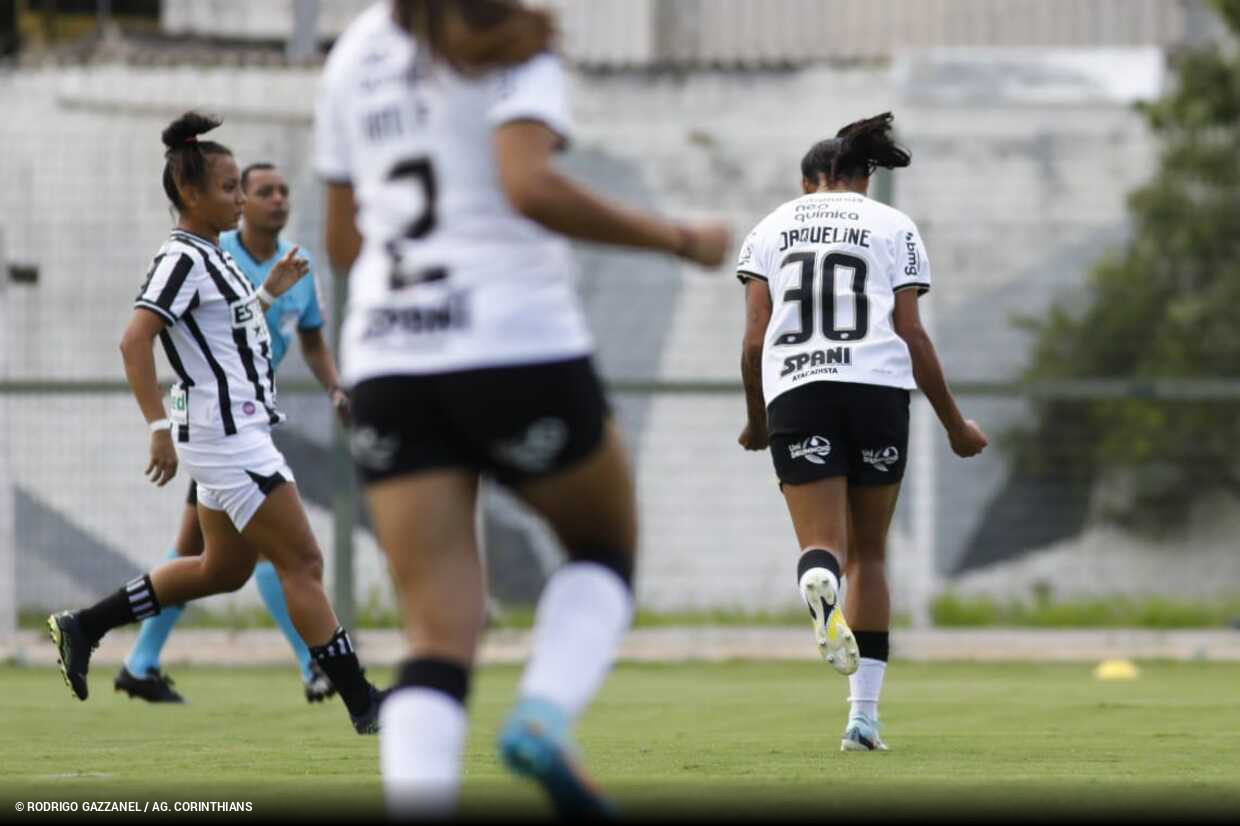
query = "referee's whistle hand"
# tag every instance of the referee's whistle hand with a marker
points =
(163, 465)
(287, 272)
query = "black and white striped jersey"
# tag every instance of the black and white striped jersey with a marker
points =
(216, 340)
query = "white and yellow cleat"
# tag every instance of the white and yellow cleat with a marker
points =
(835, 639)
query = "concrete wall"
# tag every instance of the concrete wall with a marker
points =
(1015, 196)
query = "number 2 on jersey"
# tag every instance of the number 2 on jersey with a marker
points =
(834, 265)
(423, 175)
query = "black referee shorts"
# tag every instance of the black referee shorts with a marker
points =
(512, 423)
(830, 428)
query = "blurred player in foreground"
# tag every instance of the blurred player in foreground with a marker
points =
(209, 319)
(256, 248)
(833, 344)
(468, 354)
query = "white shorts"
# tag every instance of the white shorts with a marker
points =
(234, 474)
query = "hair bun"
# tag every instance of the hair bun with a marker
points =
(187, 128)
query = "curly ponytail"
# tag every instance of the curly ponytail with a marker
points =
(186, 156)
(856, 151)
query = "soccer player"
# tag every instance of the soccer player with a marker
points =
(833, 343)
(256, 248)
(209, 319)
(468, 354)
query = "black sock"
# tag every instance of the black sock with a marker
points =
(444, 676)
(339, 662)
(133, 603)
(818, 558)
(873, 645)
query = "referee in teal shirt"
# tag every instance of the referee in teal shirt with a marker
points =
(256, 247)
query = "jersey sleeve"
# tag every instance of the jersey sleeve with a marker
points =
(331, 136)
(913, 271)
(536, 90)
(311, 317)
(753, 262)
(171, 287)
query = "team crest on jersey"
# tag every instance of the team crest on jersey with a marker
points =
(882, 458)
(815, 449)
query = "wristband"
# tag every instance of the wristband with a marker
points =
(266, 297)
(159, 424)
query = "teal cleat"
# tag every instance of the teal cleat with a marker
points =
(862, 735)
(535, 743)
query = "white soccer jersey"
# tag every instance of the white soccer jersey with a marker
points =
(216, 340)
(450, 276)
(833, 262)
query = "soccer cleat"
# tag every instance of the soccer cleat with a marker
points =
(835, 639)
(155, 687)
(368, 721)
(319, 687)
(861, 734)
(534, 743)
(73, 649)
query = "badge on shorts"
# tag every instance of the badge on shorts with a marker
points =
(180, 405)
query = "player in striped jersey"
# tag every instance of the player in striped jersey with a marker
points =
(469, 354)
(209, 319)
(833, 344)
(255, 248)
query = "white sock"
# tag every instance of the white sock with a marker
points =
(864, 687)
(421, 740)
(582, 616)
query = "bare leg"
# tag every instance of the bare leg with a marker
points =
(425, 524)
(819, 512)
(592, 503)
(869, 598)
(225, 564)
(280, 532)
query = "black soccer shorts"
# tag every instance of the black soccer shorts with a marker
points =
(512, 423)
(829, 428)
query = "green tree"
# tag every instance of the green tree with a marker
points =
(1167, 305)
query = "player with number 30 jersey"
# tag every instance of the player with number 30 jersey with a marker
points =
(833, 344)
(836, 261)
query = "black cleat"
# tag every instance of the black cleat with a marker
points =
(73, 649)
(319, 687)
(368, 721)
(156, 687)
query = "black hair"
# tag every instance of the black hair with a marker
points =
(186, 156)
(856, 151)
(254, 167)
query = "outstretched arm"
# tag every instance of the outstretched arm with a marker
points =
(524, 149)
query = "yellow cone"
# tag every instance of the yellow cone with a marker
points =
(1116, 670)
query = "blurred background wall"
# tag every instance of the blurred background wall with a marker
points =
(1020, 115)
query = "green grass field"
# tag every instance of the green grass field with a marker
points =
(736, 739)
